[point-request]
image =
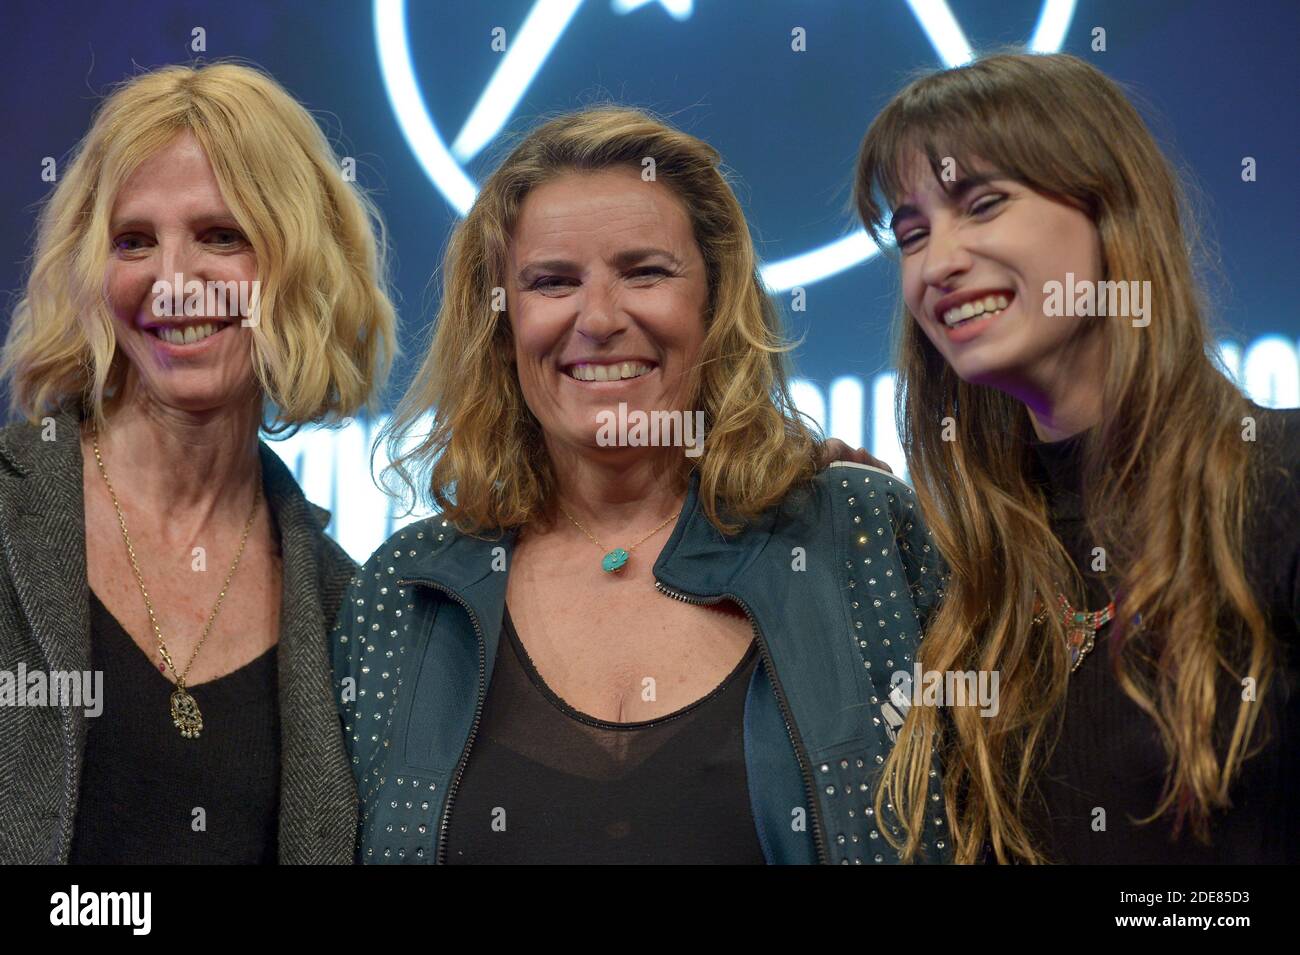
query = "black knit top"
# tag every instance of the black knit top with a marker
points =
(148, 795)
(1109, 765)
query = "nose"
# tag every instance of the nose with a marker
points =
(946, 255)
(598, 313)
(177, 256)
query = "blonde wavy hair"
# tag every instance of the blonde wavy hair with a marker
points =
(1167, 475)
(483, 463)
(327, 335)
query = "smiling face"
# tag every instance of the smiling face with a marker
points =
(170, 218)
(606, 295)
(974, 261)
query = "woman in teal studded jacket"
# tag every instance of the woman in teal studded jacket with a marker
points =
(521, 678)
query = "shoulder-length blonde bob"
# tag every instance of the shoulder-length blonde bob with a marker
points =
(327, 334)
(483, 463)
(1167, 477)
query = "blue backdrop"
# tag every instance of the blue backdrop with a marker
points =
(417, 94)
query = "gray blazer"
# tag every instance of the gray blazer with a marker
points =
(45, 624)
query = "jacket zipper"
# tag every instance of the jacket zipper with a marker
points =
(441, 851)
(795, 741)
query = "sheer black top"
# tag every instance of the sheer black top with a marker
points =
(545, 783)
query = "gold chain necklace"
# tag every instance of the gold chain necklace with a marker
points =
(613, 561)
(185, 711)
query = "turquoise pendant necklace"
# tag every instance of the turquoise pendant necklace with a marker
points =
(614, 560)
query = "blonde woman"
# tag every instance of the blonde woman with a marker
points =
(605, 648)
(151, 541)
(1120, 522)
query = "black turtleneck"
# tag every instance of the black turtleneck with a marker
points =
(1109, 756)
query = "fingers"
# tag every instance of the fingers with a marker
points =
(836, 450)
(875, 462)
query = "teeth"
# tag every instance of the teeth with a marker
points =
(615, 372)
(991, 304)
(187, 336)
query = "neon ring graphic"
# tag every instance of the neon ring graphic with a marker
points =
(532, 44)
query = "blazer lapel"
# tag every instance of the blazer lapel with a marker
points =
(43, 532)
(318, 811)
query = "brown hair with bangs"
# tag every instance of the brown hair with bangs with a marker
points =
(1167, 474)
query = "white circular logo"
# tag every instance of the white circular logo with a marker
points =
(527, 53)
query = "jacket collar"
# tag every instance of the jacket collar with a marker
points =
(50, 454)
(698, 560)
(49, 458)
(44, 533)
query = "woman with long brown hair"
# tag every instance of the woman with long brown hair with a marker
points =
(1092, 478)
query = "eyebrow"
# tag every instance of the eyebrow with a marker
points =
(212, 218)
(622, 260)
(957, 192)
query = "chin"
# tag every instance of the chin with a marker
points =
(979, 362)
(978, 372)
(197, 404)
(195, 397)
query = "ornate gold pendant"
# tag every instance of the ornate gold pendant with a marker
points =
(185, 714)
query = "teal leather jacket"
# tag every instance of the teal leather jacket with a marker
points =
(837, 581)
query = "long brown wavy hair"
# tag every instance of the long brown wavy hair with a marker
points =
(1167, 475)
(483, 462)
